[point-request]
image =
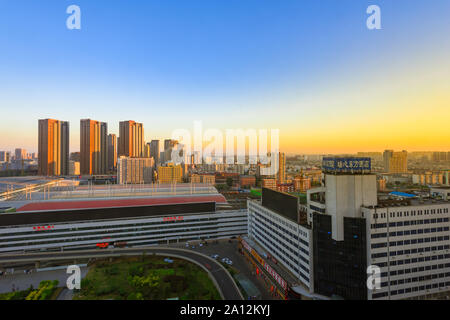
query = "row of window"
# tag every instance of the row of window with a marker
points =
(136, 227)
(272, 246)
(413, 213)
(413, 289)
(408, 223)
(410, 232)
(296, 245)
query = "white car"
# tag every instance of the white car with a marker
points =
(200, 245)
(229, 262)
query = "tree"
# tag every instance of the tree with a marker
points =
(229, 181)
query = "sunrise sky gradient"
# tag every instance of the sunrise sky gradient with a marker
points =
(309, 68)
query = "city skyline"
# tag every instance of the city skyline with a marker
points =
(233, 65)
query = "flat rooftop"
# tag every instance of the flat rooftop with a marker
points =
(116, 203)
(64, 197)
(410, 202)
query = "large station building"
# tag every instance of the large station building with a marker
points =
(121, 216)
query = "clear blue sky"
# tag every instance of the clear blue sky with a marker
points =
(230, 63)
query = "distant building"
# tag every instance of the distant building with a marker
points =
(429, 178)
(169, 145)
(202, 178)
(381, 184)
(53, 146)
(195, 178)
(269, 183)
(170, 174)
(5, 156)
(93, 147)
(209, 179)
(154, 151)
(395, 162)
(112, 152)
(131, 142)
(281, 177)
(74, 168)
(20, 154)
(75, 156)
(134, 170)
(247, 181)
(301, 184)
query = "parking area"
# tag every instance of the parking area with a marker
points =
(229, 249)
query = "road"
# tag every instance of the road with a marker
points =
(222, 278)
(229, 249)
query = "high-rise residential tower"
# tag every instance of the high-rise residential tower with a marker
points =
(20, 154)
(93, 147)
(53, 147)
(169, 144)
(154, 150)
(112, 152)
(395, 162)
(282, 167)
(131, 142)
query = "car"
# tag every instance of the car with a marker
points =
(193, 247)
(200, 245)
(229, 262)
(168, 260)
(215, 256)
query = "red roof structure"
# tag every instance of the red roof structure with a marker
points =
(114, 203)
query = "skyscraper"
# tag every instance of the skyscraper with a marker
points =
(53, 147)
(154, 150)
(395, 162)
(282, 167)
(20, 154)
(93, 147)
(169, 144)
(5, 156)
(131, 143)
(112, 152)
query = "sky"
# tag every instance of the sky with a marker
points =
(311, 69)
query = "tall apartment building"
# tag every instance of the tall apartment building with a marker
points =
(93, 147)
(112, 152)
(281, 176)
(5, 156)
(154, 151)
(395, 162)
(147, 150)
(134, 170)
(169, 145)
(53, 147)
(20, 154)
(131, 139)
(170, 174)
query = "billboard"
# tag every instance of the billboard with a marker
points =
(346, 165)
